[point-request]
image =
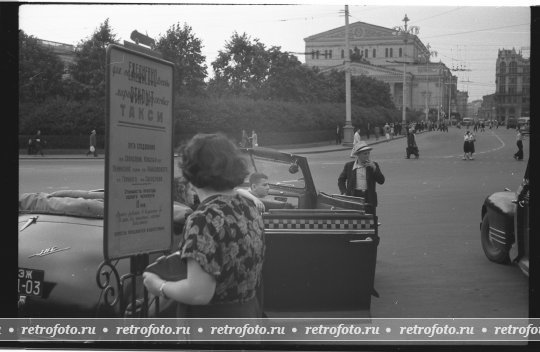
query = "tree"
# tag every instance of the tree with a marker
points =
(180, 46)
(88, 71)
(242, 67)
(40, 70)
(365, 91)
(287, 78)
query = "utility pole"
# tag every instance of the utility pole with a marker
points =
(348, 128)
(405, 32)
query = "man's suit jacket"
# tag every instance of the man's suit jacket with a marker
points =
(347, 181)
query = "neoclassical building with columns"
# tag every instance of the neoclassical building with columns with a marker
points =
(386, 55)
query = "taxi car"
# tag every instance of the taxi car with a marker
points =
(62, 273)
(504, 229)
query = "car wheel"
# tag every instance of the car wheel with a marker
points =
(495, 246)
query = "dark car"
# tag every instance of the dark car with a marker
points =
(512, 123)
(62, 272)
(504, 228)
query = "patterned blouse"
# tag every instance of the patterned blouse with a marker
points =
(225, 235)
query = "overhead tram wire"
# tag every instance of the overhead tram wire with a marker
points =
(478, 30)
(437, 15)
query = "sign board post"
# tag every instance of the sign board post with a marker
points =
(139, 168)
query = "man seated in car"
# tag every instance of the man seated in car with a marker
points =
(258, 192)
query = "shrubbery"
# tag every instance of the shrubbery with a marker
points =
(59, 116)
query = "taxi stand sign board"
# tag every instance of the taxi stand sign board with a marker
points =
(139, 155)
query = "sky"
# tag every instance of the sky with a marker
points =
(466, 38)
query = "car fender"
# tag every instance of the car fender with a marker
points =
(500, 211)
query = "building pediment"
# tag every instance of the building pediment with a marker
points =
(357, 31)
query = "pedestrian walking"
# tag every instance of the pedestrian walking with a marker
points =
(93, 145)
(473, 140)
(356, 137)
(338, 134)
(359, 177)
(356, 140)
(38, 143)
(519, 142)
(468, 146)
(412, 148)
(387, 132)
(244, 139)
(376, 131)
(223, 240)
(30, 146)
(392, 131)
(254, 139)
(367, 131)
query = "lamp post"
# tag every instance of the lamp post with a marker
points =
(348, 128)
(427, 56)
(450, 98)
(405, 32)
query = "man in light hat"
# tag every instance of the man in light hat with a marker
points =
(92, 149)
(359, 177)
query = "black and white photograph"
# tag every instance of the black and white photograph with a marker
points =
(274, 174)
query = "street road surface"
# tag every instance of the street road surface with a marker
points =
(430, 261)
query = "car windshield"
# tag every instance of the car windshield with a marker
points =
(279, 172)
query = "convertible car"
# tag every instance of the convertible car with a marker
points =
(504, 229)
(62, 272)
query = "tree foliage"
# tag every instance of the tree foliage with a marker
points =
(40, 70)
(242, 67)
(245, 68)
(88, 71)
(180, 46)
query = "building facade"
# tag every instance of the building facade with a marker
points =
(487, 110)
(512, 79)
(387, 56)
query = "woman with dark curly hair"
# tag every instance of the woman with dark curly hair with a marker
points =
(223, 243)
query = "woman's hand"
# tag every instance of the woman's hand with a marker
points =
(152, 282)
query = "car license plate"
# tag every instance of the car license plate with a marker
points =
(30, 282)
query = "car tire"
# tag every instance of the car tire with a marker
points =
(494, 251)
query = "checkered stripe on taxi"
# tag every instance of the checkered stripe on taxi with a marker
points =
(319, 224)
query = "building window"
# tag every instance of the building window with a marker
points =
(512, 67)
(317, 54)
(386, 52)
(366, 53)
(329, 54)
(342, 53)
(313, 54)
(502, 67)
(374, 53)
(391, 52)
(326, 54)
(400, 52)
